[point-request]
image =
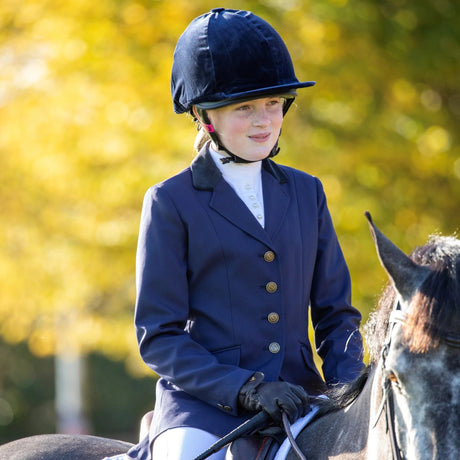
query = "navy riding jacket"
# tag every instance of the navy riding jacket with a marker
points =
(220, 297)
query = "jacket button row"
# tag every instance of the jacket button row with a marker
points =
(271, 287)
(269, 256)
(273, 317)
(274, 347)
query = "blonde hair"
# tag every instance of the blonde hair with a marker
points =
(201, 138)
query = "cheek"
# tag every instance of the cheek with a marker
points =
(277, 121)
(226, 125)
(280, 119)
(232, 131)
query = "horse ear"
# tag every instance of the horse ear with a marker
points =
(406, 275)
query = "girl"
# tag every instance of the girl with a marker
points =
(234, 250)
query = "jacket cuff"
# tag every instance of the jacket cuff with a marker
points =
(254, 381)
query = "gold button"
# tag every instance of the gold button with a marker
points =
(269, 256)
(273, 317)
(271, 287)
(274, 347)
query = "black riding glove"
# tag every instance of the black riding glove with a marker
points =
(274, 398)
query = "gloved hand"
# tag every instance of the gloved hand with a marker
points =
(274, 397)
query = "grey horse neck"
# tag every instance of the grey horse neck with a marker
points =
(342, 433)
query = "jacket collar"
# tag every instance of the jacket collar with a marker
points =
(206, 175)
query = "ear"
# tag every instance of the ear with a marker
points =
(405, 274)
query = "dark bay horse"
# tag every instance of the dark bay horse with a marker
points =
(405, 406)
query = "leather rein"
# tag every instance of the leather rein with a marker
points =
(253, 423)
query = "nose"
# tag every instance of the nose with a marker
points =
(261, 117)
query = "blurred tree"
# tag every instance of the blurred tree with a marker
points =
(84, 102)
(26, 393)
(114, 400)
(87, 126)
(381, 124)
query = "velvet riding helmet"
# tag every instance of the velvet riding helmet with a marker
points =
(229, 56)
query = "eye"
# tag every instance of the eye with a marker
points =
(274, 102)
(243, 108)
(393, 379)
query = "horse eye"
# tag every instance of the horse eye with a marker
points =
(391, 376)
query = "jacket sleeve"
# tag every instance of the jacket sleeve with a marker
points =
(162, 309)
(335, 321)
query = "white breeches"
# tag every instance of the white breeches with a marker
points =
(184, 443)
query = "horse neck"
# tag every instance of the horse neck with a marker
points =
(339, 432)
(348, 432)
(362, 423)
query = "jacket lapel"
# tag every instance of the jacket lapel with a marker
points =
(225, 201)
(276, 201)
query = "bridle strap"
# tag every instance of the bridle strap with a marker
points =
(452, 341)
(396, 316)
(390, 419)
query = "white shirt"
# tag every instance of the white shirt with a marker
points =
(246, 180)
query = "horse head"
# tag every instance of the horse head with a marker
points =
(420, 358)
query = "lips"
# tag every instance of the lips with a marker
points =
(262, 137)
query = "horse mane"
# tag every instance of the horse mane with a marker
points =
(432, 313)
(433, 310)
(342, 395)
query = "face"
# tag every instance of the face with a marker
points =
(249, 129)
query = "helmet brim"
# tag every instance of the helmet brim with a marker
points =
(288, 91)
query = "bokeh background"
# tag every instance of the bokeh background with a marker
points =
(86, 126)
